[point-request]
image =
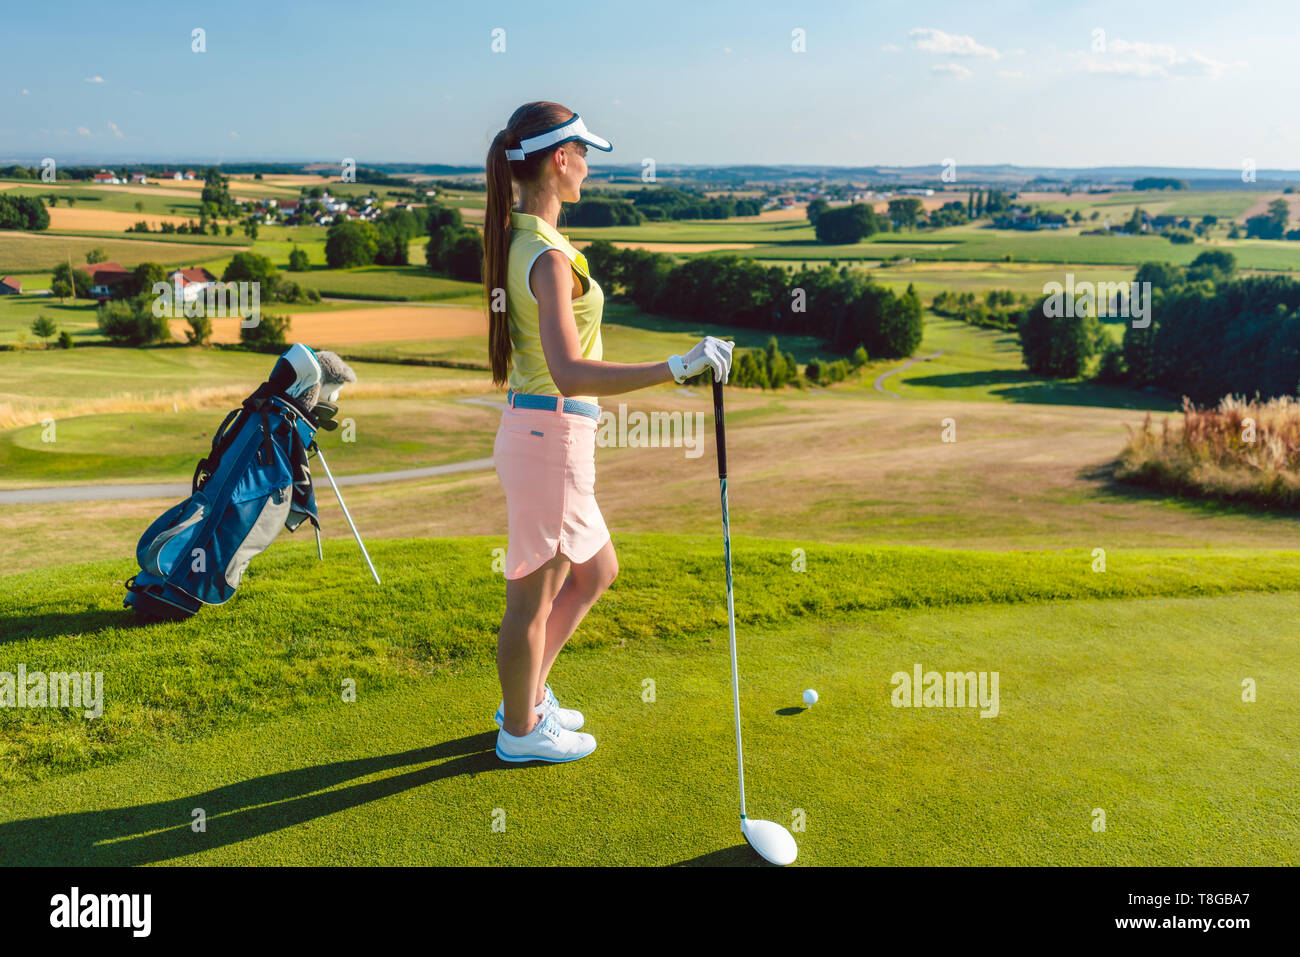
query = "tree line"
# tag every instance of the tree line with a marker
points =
(843, 307)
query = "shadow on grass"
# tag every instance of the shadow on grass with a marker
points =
(21, 627)
(153, 833)
(1021, 385)
(742, 855)
(1111, 488)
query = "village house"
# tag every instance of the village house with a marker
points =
(106, 279)
(10, 285)
(193, 281)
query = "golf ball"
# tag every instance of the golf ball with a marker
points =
(810, 697)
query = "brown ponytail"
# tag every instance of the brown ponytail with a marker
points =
(529, 120)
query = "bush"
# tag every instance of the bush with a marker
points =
(200, 330)
(298, 261)
(65, 339)
(1212, 455)
(131, 322)
(1112, 367)
(268, 335)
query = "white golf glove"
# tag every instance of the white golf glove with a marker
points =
(708, 353)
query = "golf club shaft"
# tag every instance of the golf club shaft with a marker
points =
(343, 505)
(726, 557)
(319, 554)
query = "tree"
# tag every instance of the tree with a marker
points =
(905, 211)
(267, 335)
(96, 255)
(251, 267)
(43, 327)
(1217, 265)
(298, 260)
(351, 243)
(71, 282)
(144, 276)
(844, 225)
(1057, 345)
(816, 208)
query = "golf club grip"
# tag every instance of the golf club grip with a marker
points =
(721, 427)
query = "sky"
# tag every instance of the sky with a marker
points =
(1047, 83)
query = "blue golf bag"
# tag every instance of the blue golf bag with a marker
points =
(254, 481)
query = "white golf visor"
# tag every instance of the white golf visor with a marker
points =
(573, 129)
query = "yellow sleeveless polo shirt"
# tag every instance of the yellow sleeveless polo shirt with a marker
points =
(530, 236)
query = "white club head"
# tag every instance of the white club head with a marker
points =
(773, 842)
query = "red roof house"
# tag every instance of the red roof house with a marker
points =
(105, 279)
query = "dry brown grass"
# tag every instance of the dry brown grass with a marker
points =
(1242, 450)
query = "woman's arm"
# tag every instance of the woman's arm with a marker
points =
(552, 283)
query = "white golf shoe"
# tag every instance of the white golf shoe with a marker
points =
(568, 718)
(546, 742)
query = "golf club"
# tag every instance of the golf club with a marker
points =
(355, 534)
(773, 842)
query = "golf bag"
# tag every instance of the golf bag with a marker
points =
(254, 480)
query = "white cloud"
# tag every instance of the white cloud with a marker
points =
(116, 132)
(951, 69)
(936, 41)
(93, 79)
(1151, 61)
(891, 48)
(83, 131)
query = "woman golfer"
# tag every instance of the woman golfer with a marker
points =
(544, 340)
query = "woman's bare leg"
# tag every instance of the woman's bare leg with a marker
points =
(586, 583)
(521, 642)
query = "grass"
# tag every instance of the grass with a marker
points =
(40, 252)
(239, 712)
(289, 636)
(1241, 451)
(34, 383)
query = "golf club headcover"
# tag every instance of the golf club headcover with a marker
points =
(335, 374)
(296, 372)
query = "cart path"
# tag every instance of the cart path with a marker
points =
(880, 379)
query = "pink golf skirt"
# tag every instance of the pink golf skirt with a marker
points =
(546, 461)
